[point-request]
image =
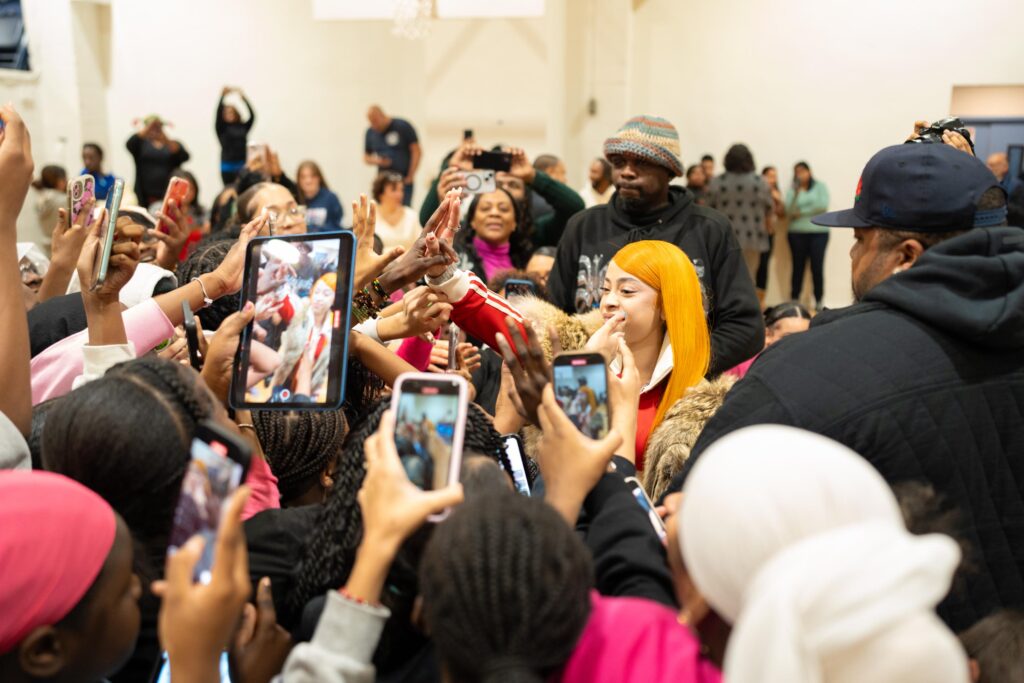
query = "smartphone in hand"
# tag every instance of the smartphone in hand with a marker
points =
(102, 264)
(453, 347)
(637, 489)
(81, 190)
(177, 190)
(495, 161)
(218, 465)
(430, 422)
(581, 387)
(191, 336)
(517, 463)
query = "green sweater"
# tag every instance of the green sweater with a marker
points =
(547, 230)
(804, 206)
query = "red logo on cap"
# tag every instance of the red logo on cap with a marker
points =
(860, 184)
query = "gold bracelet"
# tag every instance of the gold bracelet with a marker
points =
(246, 425)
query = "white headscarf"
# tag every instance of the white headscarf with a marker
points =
(799, 543)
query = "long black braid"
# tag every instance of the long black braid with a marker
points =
(329, 552)
(127, 437)
(505, 585)
(299, 446)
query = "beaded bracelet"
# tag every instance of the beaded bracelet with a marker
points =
(379, 289)
(343, 592)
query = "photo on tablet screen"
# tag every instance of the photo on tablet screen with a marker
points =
(294, 353)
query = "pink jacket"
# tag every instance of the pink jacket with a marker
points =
(55, 369)
(630, 640)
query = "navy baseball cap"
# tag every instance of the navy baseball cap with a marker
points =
(919, 188)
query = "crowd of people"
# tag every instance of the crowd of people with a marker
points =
(840, 492)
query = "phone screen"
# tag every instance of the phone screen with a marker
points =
(515, 458)
(520, 288)
(581, 387)
(293, 355)
(430, 416)
(637, 489)
(216, 469)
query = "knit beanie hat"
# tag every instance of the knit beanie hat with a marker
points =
(651, 138)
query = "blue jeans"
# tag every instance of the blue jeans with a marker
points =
(407, 198)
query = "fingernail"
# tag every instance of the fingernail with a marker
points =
(248, 306)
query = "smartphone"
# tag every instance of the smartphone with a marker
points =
(480, 182)
(453, 346)
(177, 190)
(191, 336)
(99, 272)
(637, 489)
(520, 288)
(257, 152)
(495, 161)
(581, 387)
(517, 463)
(301, 286)
(430, 420)
(80, 191)
(219, 462)
(467, 134)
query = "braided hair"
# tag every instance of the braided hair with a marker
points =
(505, 585)
(205, 259)
(329, 551)
(127, 436)
(299, 446)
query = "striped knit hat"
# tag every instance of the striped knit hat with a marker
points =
(648, 137)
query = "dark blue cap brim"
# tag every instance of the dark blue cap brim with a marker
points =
(847, 218)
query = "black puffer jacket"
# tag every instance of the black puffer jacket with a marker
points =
(925, 379)
(593, 237)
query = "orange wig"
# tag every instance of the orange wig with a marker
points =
(667, 269)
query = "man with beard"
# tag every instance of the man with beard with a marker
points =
(924, 375)
(644, 156)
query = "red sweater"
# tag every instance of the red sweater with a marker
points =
(649, 401)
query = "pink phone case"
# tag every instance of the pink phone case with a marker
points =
(80, 191)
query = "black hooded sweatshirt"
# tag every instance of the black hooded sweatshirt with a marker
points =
(925, 379)
(593, 236)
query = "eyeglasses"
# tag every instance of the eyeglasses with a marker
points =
(285, 219)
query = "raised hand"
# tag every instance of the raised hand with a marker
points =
(570, 462)
(124, 258)
(368, 264)
(174, 240)
(197, 621)
(219, 357)
(16, 165)
(527, 365)
(429, 255)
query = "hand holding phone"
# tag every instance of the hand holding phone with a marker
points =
(430, 422)
(570, 463)
(177, 191)
(81, 194)
(392, 506)
(220, 460)
(191, 336)
(637, 489)
(102, 263)
(581, 388)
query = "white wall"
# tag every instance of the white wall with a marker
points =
(830, 82)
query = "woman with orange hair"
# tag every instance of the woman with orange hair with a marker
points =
(305, 345)
(652, 298)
